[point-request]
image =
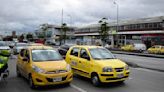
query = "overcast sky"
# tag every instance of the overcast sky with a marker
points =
(27, 15)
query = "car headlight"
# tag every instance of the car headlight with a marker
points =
(37, 69)
(68, 67)
(126, 67)
(107, 69)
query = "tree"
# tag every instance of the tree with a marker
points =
(21, 38)
(29, 37)
(104, 30)
(44, 28)
(63, 35)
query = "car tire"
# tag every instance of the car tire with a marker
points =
(67, 84)
(31, 83)
(120, 82)
(18, 72)
(95, 80)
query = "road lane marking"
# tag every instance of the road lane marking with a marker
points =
(77, 88)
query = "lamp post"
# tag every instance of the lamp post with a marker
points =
(117, 5)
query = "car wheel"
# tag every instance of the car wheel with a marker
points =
(31, 83)
(18, 72)
(95, 80)
(67, 84)
(120, 82)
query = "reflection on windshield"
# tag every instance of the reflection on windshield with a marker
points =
(45, 55)
(101, 53)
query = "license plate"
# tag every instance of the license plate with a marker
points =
(57, 79)
(120, 75)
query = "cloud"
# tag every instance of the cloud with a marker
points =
(27, 15)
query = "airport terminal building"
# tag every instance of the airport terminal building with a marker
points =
(146, 30)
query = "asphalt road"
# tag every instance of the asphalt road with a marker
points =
(140, 80)
(147, 62)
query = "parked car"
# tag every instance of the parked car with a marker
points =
(4, 48)
(18, 47)
(136, 47)
(50, 42)
(157, 49)
(64, 48)
(42, 65)
(97, 63)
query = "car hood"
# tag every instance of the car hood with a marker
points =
(4, 47)
(51, 65)
(114, 63)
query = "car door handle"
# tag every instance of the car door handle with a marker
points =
(79, 61)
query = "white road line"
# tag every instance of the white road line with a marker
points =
(78, 88)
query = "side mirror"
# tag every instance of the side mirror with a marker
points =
(25, 59)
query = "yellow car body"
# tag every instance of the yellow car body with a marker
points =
(127, 48)
(45, 72)
(157, 49)
(88, 66)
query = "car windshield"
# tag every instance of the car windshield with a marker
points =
(101, 53)
(21, 44)
(45, 55)
(3, 44)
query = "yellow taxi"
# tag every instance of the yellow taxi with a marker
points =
(97, 63)
(127, 48)
(157, 49)
(42, 65)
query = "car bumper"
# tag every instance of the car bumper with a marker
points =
(114, 77)
(48, 79)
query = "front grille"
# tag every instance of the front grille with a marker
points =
(51, 79)
(116, 78)
(119, 69)
(56, 71)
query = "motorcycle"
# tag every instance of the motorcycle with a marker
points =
(4, 72)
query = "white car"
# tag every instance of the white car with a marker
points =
(18, 47)
(139, 47)
(4, 46)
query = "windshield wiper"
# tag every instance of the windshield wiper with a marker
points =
(109, 58)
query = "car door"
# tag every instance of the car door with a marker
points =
(20, 61)
(74, 59)
(84, 62)
(26, 63)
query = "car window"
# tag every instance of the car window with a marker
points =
(75, 51)
(27, 55)
(22, 53)
(84, 54)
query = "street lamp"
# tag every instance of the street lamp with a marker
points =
(117, 13)
(117, 18)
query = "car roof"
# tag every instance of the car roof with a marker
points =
(87, 46)
(39, 47)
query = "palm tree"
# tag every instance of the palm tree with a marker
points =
(44, 28)
(64, 31)
(104, 30)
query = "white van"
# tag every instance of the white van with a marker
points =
(139, 47)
